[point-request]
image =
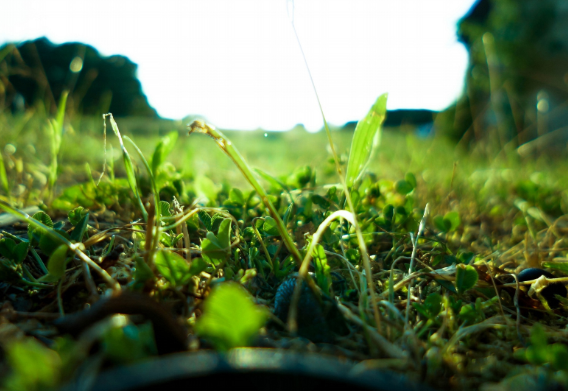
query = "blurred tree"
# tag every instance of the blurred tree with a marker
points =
(39, 71)
(517, 78)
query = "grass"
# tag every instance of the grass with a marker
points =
(490, 216)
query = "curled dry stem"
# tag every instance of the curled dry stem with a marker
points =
(303, 274)
(358, 231)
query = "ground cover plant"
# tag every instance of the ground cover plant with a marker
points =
(409, 255)
(212, 252)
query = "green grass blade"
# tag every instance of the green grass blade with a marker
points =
(228, 147)
(366, 139)
(56, 134)
(4, 179)
(129, 167)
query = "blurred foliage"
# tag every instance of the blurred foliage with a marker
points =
(35, 74)
(516, 80)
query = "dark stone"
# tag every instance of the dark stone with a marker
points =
(39, 70)
(311, 321)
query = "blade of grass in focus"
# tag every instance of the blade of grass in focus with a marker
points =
(360, 239)
(127, 164)
(55, 129)
(4, 179)
(236, 157)
(366, 139)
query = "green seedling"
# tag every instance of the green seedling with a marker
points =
(233, 153)
(466, 277)
(447, 223)
(540, 352)
(34, 366)
(230, 318)
(216, 249)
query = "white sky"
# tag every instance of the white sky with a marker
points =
(237, 63)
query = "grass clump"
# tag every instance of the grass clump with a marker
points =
(446, 235)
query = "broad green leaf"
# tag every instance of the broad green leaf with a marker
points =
(403, 187)
(236, 196)
(322, 269)
(49, 244)
(353, 255)
(558, 356)
(7, 247)
(33, 366)
(205, 188)
(537, 353)
(447, 284)
(143, 272)
(466, 277)
(411, 179)
(454, 219)
(76, 215)
(80, 228)
(197, 266)
(216, 222)
(213, 251)
(206, 220)
(365, 139)
(230, 318)
(224, 234)
(433, 304)
(21, 252)
(562, 266)
(470, 314)
(164, 209)
(300, 177)
(442, 224)
(43, 218)
(269, 227)
(172, 267)
(56, 264)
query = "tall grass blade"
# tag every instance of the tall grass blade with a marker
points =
(129, 167)
(56, 134)
(4, 179)
(227, 147)
(366, 139)
(360, 239)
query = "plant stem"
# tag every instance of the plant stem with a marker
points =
(227, 146)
